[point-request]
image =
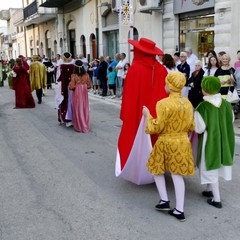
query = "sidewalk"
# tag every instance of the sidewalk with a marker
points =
(118, 100)
(237, 126)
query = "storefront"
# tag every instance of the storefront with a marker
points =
(196, 25)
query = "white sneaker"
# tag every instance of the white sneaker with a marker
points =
(69, 124)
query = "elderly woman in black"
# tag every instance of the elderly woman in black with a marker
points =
(195, 95)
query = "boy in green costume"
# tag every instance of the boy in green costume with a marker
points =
(214, 122)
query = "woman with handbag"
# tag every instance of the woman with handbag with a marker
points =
(225, 74)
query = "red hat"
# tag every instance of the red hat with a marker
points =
(147, 46)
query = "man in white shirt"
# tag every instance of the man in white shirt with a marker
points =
(191, 59)
(120, 71)
(84, 60)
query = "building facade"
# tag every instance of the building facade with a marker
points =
(103, 27)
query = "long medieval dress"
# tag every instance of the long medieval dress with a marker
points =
(80, 104)
(144, 85)
(23, 95)
(66, 70)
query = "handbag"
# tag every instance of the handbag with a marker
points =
(232, 97)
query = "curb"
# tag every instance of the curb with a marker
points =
(118, 101)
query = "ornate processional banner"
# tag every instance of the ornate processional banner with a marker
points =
(126, 12)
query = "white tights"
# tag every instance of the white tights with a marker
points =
(215, 191)
(179, 187)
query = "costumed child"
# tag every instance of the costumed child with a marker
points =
(172, 152)
(214, 122)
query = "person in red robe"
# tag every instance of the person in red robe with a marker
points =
(24, 62)
(23, 95)
(144, 85)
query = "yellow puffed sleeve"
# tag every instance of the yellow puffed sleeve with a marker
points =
(155, 125)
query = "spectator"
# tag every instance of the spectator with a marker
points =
(112, 82)
(220, 54)
(184, 68)
(120, 71)
(102, 75)
(225, 74)
(169, 62)
(209, 54)
(212, 66)
(84, 61)
(96, 83)
(176, 58)
(237, 62)
(125, 68)
(191, 59)
(195, 95)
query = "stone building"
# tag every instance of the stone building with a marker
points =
(103, 27)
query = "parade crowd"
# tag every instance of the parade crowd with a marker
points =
(173, 103)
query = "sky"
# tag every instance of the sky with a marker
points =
(6, 4)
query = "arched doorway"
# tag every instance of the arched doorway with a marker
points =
(72, 38)
(37, 45)
(93, 46)
(48, 44)
(132, 34)
(31, 47)
(61, 46)
(83, 45)
(55, 48)
(41, 49)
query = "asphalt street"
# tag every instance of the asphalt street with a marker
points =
(57, 184)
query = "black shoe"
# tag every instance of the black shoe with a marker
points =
(207, 193)
(179, 216)
(213, 203)
(163, 205)
(39, 102)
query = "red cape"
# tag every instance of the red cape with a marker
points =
(144, 86)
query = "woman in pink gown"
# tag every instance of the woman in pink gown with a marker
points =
(80, 83)
(23, 95)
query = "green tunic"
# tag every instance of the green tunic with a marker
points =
(220, 135)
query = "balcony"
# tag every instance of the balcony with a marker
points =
(35, 14)
(65, 6)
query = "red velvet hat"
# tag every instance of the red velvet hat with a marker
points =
(147, 46)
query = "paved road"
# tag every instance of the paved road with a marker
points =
(57, 184)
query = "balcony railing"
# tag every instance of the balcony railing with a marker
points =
(35, 14)
(30, 10)
(67, 5)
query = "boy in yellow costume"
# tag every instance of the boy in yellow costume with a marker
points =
(172, 152)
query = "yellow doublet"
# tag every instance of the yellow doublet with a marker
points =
(38, 76)
(172, 151)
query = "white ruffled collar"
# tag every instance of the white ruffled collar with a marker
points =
(215, 99)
